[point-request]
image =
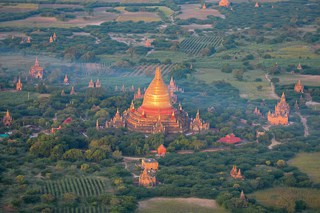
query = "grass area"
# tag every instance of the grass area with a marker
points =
(179, 205)
(82, 19)
(295, 51)
(138, 16)
(13, 97)
(308, 80)
(309, 164)
(17, 8)
(285, 197)
(247, 87)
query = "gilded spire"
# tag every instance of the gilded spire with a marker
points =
(198, 115)
(283, 97)
(7, 113)
(158, 74)
(36, 63)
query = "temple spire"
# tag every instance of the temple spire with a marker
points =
(158, 74)
(36, 63)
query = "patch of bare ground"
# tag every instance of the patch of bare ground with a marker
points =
(194, 201)
(195, 11)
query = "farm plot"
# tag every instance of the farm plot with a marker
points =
(195, 44)
(99, 209)
(149, 70)
(83, 187)
(195, 11)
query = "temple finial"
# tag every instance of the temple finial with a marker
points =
(158, 73)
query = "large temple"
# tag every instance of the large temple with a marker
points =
(156, 114)
(7, 119)
(281, 114)
(36, 71)
(224, 3)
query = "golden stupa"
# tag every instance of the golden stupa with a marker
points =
(156, 114)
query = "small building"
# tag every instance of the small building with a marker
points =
(7, 119)
(298, 87)
(230, 139)
(19, 85)
(36, 71)
(150, 164)
(147, 178)
(66, 80)
(235, 173)
(224, 3)
(72, 92)
(256, 5)
(161, 150)
(138, 95)
(257, 112)
(91, 84)
(98, 83)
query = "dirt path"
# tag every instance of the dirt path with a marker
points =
(305, 125)
(274, 142)
(273, 94)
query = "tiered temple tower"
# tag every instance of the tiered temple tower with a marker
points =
(36, 71)
(156, 114)
(91, 84)
(98, 83)
(281, 114)
(117, 121)
(138, 95)
(298, 87)
(236, 174)
(224, 3)
(147, 179)
(19, 85)
(196, 125)
(172, 87)
(7, 119)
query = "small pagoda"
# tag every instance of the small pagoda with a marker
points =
(257, 112)
(161, 150)
(236, 173)
(257, 5)
(197, 125)
(72, 92)
(224, 3)
(50, 39)
(204, 6)
(7, 119)
(147, 44)
(117, 121)
(299, 67)
(19, 85)
(36, 71)
(281, 114)
(298, 87)
(66, 80)
(98, 83)
(230, 139)
(91, 84)
(138, 95)
(147, 179)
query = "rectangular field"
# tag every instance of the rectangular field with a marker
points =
(195, 11)
(285, 197)
(179, 205)
(309, 164)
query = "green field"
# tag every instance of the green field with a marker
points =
(283, 197)
(13, 97)
(308, 163)
(175, 57)
(247, 87)
(179, 205)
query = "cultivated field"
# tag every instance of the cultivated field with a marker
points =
(247, 87)
(283, 197)
(179, 205)
(149, 70)
(309, 164)
(174, 56)
(195, 11)
(99, 209)
(83, 187)
(195, 44)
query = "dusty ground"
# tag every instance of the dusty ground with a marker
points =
(195, 11)
(195, 201)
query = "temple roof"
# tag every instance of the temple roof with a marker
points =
(157, 99)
